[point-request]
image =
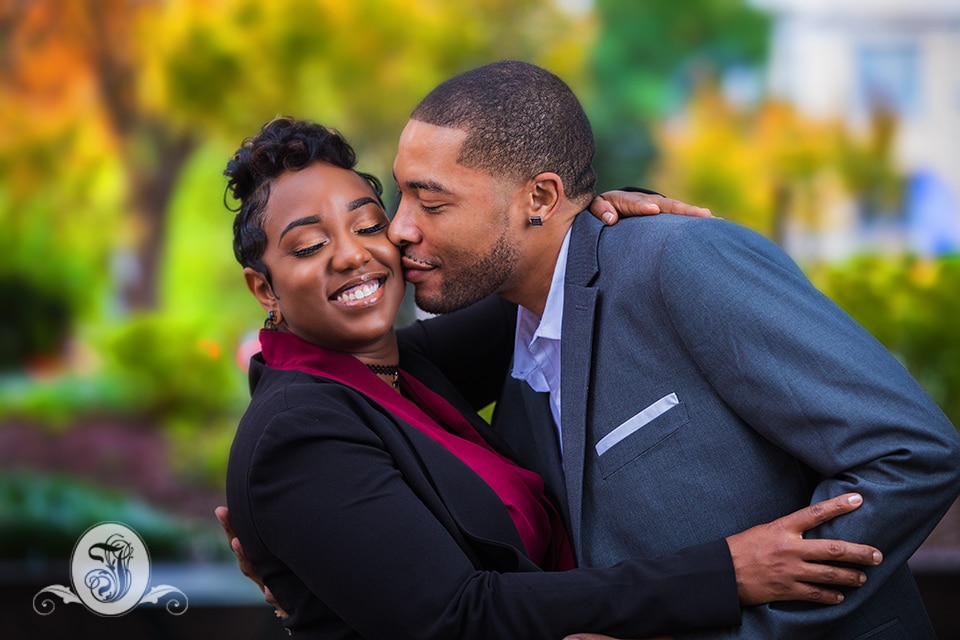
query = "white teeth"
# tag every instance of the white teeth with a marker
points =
(359, 293)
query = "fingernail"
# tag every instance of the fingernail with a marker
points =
(839, 597)
(607, 218)
(856, 498)
(877, 557)
(863, 578)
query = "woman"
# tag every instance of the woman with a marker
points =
(370, 498)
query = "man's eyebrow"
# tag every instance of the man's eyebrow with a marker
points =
(299, 222)
(424, 185)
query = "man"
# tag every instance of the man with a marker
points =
(673, 362)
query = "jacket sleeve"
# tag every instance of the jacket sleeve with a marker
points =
(472, 347)
(801, 372)
(334, 505)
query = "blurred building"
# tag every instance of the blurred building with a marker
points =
(853, 59)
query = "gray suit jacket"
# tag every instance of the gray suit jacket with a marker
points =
(707, 387)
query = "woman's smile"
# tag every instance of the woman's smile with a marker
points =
(360, 294)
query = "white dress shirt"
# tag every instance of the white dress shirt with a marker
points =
(536, 355)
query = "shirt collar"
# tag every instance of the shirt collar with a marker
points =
(550, 321)
(548, 326)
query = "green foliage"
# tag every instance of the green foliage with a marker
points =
(226, 68)
(60, 217)
(645, 61)
(42, 516)
(161, 369)
(56, 401)
(911, 306)
(201, 281)
(171, 370)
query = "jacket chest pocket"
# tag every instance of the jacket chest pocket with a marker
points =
(639, 434)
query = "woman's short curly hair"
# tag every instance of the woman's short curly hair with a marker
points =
(283, 144)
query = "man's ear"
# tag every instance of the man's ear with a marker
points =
(260, 288)
(546, 195)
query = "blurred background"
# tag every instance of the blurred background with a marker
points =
(831, 127)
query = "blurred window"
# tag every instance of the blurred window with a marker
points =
(888, 78)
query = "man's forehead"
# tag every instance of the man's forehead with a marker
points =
(417, 133)
(426, 152)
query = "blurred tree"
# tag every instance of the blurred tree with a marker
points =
(119, 93)
(645, 61)
(767, 167)
(69, 78)
(750, 166)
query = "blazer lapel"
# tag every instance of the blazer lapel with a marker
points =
(543, 452)
(470, 502)
(576, 354)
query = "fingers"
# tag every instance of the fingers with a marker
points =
(603, 210)
(612, 205)
(820, 512)
(669, 205)
(840, 551)
(617, 204)
(223, 516)
(246, 567)
(813, 593)
(629, 203)
(825, 574)
(774, 562)
(829, 550)
(272, 601)
(237, 549)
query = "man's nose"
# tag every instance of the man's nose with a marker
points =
(402, 229)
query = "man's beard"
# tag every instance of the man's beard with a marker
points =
(473, 282)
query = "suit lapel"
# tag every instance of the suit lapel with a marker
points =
(544, 448)
(576, 355)
(473, 505)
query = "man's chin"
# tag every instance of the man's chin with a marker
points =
(430, 304)
(444, 302)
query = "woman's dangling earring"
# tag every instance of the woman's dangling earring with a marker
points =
(273, 319)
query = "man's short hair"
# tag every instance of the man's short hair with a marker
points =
(520, 120)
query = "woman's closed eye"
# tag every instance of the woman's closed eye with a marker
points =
(307, 251)
(376, 228)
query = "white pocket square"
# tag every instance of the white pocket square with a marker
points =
(638, 421)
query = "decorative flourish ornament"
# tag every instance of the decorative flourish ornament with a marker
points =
(110, 573)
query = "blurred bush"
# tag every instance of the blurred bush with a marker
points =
(41, 517)
(911, 305)
(154, 370)
(171, 370)
(155, 367)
